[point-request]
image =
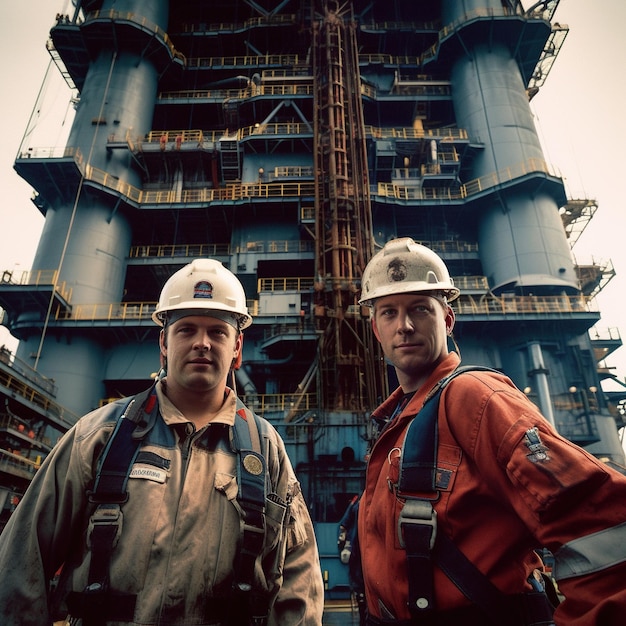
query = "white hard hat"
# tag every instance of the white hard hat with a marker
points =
(204, 287)
(403, 266)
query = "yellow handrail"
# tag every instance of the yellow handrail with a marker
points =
(32, 395)
(285, 284)
(180, 250)
(290, 189)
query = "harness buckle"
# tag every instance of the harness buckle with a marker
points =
(106, 515)
(417, 512)
(253, 539)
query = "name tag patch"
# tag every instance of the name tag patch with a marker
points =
(148, 472)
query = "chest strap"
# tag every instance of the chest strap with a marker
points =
(417, 524)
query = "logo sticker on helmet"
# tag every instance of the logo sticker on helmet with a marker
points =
(396, 270)
(203, 289)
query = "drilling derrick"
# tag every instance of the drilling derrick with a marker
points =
(343, 218)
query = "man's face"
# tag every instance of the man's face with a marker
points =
(412, 330)
(199, 352)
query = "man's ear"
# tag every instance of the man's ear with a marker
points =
(163, 342)
(375, 328)
(450, 318)
(238, 352)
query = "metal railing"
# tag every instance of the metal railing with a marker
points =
(293, 171)
(531, 305)
(449, 29)
(15, 385)
(451, 245)
(141, 21)
(288, 60)
(277, 128)
(478, 185)
(276, 246)
(483, 304)
(279, 402)
(37, 278)
(219, 249)
(14, 464)
(245, 93)
(33, 376)
(11, 423)
(405, 133)
(386, 25)
(298, 189)
(254, 22)
(465, 283)
(285, 284)
(183, 136)
(605, 334)
(54, 153)
(408, 193)
(199, 137)
(180, 250)
(118, 312)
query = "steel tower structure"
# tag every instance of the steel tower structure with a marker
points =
(291, 139)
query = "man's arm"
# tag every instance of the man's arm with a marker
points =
(35, 541)
(300, 598)
(300, 601)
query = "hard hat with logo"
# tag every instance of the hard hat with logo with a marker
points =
(204, 287)
(404, 266)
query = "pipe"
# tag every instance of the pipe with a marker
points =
(540, 375)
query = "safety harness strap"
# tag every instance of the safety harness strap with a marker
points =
(417, 523)
(528, 609)
(251, 475)
(96, 603)
(472, 582)
(113, 469)
(418, 460)
(417, 527)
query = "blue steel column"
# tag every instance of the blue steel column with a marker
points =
(522, 243)
(539, 375)
(521, 238)
(118, 95)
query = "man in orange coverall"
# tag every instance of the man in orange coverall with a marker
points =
(504, 482)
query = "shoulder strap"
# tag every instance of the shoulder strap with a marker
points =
(252, 477)
(96, 603)
(417, 529)
(114, 468)
(417, 522)
(418, 459)
(252, 467)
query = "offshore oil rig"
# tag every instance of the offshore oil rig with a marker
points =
(290, 139)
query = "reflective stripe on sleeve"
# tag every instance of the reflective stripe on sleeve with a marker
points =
(591, 553)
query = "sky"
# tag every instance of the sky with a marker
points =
(577, 114)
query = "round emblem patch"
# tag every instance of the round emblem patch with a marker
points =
(396, 271)
(252, 464)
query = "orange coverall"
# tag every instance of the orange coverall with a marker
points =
(501, 501)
